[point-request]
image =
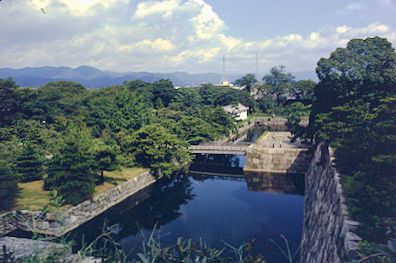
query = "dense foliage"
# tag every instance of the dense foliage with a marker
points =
(355, 111)
(68, 136)
(73, 169)
(154, 147)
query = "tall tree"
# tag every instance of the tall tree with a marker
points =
(8, 186)
(303, 90)
(8, 101)
(279, 82)
(105, 156)
(164, 93)
(247, 81)
(154, 147)
(72, 171)
(30, 163)
(363, 72)
(355, 111)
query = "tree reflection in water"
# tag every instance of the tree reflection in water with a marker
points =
(159, 205)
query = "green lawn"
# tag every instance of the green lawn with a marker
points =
(32, 196)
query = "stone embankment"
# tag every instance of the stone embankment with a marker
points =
(60, 223)
(274, 153)
(327, 230)
(21, 248)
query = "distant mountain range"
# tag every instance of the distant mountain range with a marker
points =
(94, 78)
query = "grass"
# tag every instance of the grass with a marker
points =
(125, 174)
(263, 136)
(32, 196)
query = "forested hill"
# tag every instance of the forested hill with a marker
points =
(94, 78)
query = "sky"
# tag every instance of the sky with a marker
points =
(186, 35)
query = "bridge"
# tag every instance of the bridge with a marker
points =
(231, 148)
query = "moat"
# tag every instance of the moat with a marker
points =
(232, 209)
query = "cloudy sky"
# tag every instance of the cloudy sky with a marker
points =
(186, 35)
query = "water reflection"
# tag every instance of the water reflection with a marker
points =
(218, 163)
(232, 166)
(229, 207)
(275, 183)
(158, 205)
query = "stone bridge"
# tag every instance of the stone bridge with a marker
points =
(231, 148)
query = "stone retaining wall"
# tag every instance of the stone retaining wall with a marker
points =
(327, 231)
(60, 223)
(276, 160)
(7, 223)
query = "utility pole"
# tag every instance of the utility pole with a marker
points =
(224, 70)
(257, 66)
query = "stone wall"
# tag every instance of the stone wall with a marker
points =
(60, 223)
(7, 223)
(276, 160)
(327, 231)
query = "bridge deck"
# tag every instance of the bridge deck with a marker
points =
(239, 149)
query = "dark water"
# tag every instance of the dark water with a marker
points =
(233, 209)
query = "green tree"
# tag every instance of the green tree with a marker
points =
(303, 90)
(154, 147)
(279, 83)
(196, 130)
(8, 186)
(164, 93)
(105, 156)
(355, 111)
(363, 72)
(72, 172)
(294, 114)
(247, 81)
(8, 101)
(30, 163)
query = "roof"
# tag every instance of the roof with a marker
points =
(235, 109)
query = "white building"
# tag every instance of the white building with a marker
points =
(240, 112)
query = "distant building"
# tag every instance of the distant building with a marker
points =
(240, 112)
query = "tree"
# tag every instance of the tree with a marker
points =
(164, 93)
(363, 72)
(303, 90)
(279, 82)
(154, 147)
(117, 109)
(247, 81)
(196, 130)
(294, 114)
(355, 111)
(187, 97)
(30, 163)
(72, 172)
(105, 156)
(60, 98)
(8, 186)
(8, 101)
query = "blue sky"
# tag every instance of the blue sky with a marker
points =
(255, 19)
(186, 35)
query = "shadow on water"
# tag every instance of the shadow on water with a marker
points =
(158, 205)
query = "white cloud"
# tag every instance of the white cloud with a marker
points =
(343, 29)
(75, 7)
(164, 8)
(166, 35)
